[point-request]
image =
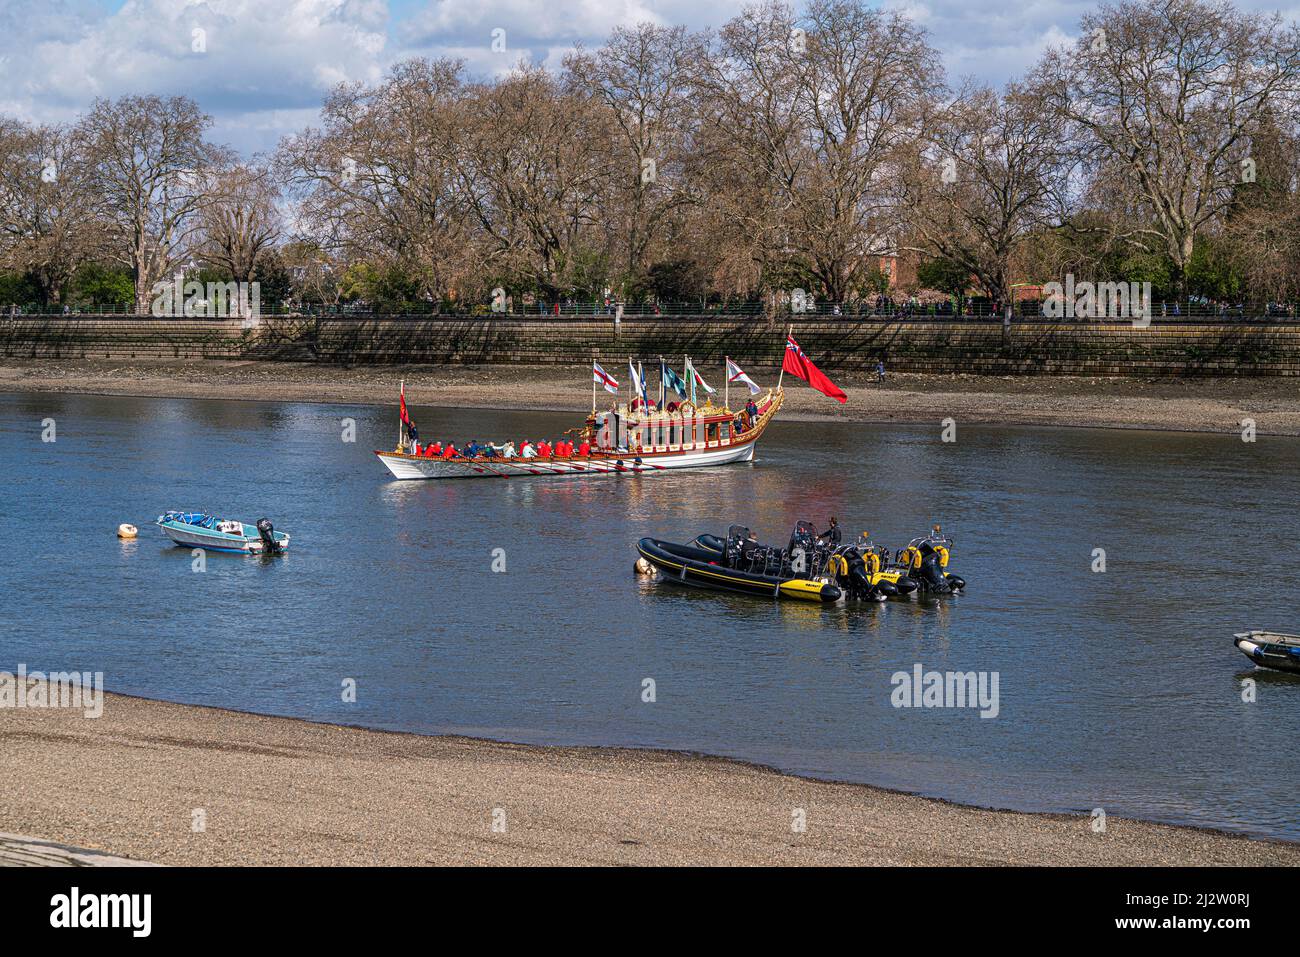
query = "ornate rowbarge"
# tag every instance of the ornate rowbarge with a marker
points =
(623, 440)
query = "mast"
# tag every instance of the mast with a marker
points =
(726, 383)
(785, 345)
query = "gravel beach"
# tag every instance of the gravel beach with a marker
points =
(1181, 405)
(272, 791)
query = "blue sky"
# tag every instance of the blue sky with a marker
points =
(266, 65)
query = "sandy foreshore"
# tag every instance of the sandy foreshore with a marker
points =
(276, 791)
(1184, 405)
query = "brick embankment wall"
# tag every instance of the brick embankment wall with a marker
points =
(932, 346)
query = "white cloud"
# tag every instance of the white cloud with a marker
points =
(239, 59)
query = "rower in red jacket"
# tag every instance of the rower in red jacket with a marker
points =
(450, 452)
(544, 449)
(584, 448)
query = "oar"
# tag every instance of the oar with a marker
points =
(475, 463)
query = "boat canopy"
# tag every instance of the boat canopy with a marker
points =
(683, 429)
(198, 519)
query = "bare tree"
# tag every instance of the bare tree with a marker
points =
(149, 163)
(535, 173)
(48, 222)
(747, 160)
(379, 180)
(993, 171)
(1262, 226)
(1167, 93)
(241, 222)
(644, 76)
(821, 106)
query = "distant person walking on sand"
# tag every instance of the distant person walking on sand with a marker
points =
(880, 371)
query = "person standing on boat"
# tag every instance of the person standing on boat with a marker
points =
(832, 535)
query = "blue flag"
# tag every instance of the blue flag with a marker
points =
(672, 380)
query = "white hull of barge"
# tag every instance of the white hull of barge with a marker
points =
(405, 466)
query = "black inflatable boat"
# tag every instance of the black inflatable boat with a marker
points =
(742, 565)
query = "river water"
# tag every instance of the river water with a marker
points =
(1117, 689)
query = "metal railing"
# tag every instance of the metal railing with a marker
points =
(884, 309)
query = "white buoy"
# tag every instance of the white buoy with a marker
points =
(127, 531)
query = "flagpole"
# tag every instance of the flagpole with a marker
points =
(593, 384)
(726, 383)
(788, 333)
(662, 393)
(402, 394)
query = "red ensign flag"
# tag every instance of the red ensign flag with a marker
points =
(401, 409)
(800, 366)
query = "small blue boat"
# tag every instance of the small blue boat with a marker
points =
(200, 530)
(1270, 649)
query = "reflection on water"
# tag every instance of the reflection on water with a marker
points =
(1120, 690)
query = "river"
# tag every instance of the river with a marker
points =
(1118, 689)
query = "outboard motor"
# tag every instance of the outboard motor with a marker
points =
(930, 573)
(267, 533)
